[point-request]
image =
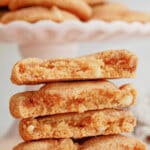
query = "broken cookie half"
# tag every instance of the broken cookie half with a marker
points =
(76, 126)
(67, 97)
(108, 64)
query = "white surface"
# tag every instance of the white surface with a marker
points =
(48, 32)
(8, 55)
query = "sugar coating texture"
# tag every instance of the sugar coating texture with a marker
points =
(107, 64)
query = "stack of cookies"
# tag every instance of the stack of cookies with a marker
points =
(62, 10)
(77, 108)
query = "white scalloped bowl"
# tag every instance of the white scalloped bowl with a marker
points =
(70, 31)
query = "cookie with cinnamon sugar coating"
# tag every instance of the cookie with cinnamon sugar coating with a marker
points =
(77, 7)
(115, 11)
(34, 14)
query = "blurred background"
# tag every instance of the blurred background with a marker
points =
(10, 54)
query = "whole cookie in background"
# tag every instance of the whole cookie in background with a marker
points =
(77, 7)
(94, 2)
(132, 16)
(34, 14)
(108, 11)
(4, 3)
(114, 11)
(107, 7)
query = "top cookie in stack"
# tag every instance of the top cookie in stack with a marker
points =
(103, 65)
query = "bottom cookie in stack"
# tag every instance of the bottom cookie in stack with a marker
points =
(109, 142)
